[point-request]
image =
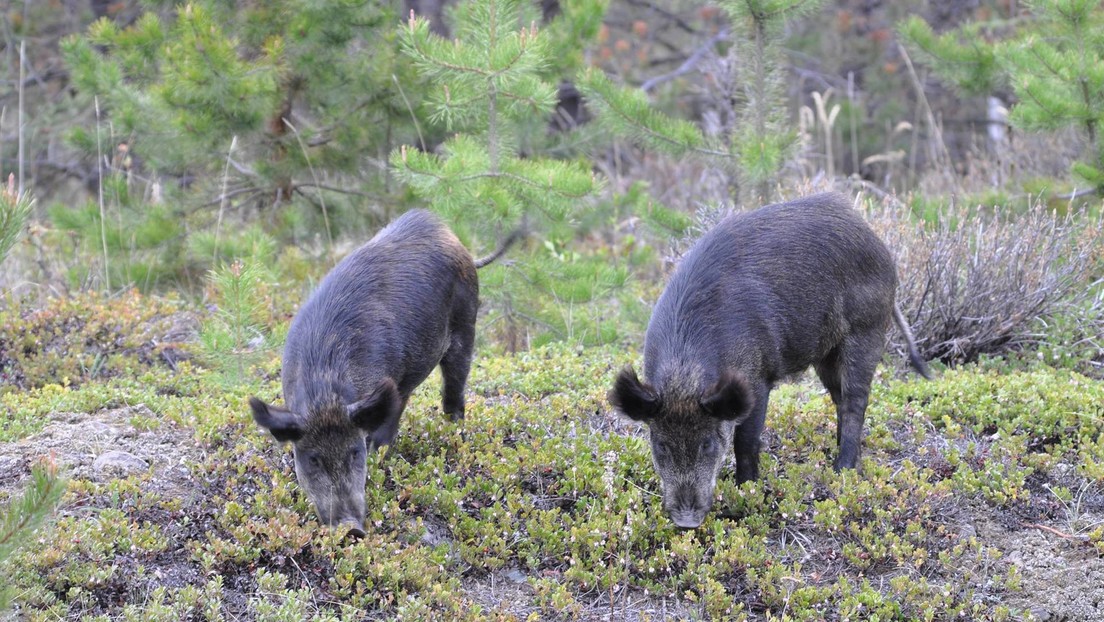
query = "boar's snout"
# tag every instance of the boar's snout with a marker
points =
(356, 530)
(341, 508)
(688, 520)
(347, 516)
(687, 508)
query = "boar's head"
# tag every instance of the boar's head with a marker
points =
(691, 433)
(331, 451)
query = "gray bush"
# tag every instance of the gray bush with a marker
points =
(988, 283)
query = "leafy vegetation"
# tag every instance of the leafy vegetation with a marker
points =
(543, 489)
(69, 341)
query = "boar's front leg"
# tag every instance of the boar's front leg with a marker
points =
(745, 440)
(854, 364)
(455, 365)
(828, 370)
(386, 433)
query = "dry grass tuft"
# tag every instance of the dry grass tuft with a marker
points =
(976, 283)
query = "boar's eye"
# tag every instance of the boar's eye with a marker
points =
(314, 460)
(709, 446)
(356, 454)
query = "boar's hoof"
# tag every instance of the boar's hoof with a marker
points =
(842, 463)
(453, 406)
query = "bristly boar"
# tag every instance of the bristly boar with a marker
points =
(760, 297)
(374, 329)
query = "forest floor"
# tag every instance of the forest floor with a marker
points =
(981, 497)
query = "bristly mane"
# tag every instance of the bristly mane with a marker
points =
(681, 384)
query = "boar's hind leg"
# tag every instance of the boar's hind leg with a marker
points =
(455, 365)
(854, 363)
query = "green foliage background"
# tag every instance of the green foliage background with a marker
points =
(1053, 62)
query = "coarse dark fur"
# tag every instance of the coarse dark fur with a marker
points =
(760, 297)
(373, 330)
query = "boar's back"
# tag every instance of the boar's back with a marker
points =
(784, 283)
(384, 310)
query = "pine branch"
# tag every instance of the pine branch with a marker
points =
(416, 163)
(962, 58)
(24, 515)
(627, 111)
(15, 209)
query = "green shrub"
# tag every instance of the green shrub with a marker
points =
(69, 341)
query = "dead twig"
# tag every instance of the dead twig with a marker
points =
(1060, 534)
(689, 64)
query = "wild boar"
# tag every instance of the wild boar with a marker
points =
(372, 331)
(759, 298)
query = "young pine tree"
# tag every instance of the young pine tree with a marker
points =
(21, 517)
(488, 83)
(234, 338)
(289, 108)
(1053, 61)
(759, 140)
(15, 209)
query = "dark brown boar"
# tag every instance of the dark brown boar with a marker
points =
(760, 297)
(375, 328)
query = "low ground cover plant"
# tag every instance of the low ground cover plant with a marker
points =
(543, 505)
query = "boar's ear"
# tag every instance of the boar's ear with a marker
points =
(632, 398)
(730, 398)
(282, 423)
(377, 408)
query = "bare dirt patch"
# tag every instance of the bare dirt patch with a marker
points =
(101, 446)
(1063, 577)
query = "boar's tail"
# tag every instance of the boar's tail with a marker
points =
(914, 355)
(515, 235)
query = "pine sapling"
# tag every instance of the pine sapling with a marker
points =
(15, 209)
(489, 82)
(23, 516)
(232, 338)
(757, 143)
